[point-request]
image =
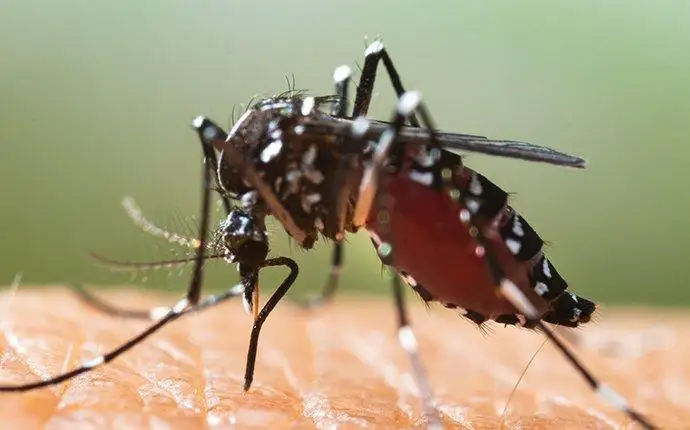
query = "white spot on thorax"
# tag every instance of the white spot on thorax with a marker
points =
(360, 126)
(271, 151)
(307, 105)
(249, 199)
(308, 200)
(309, 156)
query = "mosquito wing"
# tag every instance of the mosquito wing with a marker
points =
(500, 148)
(455, 142)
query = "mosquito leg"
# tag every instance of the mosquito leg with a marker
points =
(97, 303)
(372, 55)
(194, 291)
(331, 286)
(341, 191)
(406, 336)
(373, 196)
(265, 311)
(181, 308)
(206, 135)
(212, 162)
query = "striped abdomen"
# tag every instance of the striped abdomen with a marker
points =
(438, 256)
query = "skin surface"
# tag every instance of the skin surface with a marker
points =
(339, 365)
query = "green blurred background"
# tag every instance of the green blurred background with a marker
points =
(96, 100)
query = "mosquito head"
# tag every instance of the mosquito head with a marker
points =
(245, 240)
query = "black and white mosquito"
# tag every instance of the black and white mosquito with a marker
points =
(443, 228)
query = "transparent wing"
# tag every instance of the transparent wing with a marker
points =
(454, 142)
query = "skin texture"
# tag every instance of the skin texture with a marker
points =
(338, 365)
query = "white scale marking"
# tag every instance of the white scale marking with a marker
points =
(374, 48)
(612, 397)
(541, 288)
(247, 305)
(475, 185)
(307, 105)
(464, 216)
(180, 306)
(94, 362)
(198, 121)
(342, 73)
(159, 312)
(309, 156)
(248, 199)
(407, 339)
(513, 245)
(424, 178)
(546, 268)
(517, 226)
(360, 126)
(408, 102)
(472, 205)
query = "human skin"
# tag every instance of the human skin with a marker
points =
(336, 365)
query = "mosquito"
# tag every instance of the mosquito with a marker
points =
(444, 229)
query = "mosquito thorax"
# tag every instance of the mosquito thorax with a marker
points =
(298, 167)
(245, 241)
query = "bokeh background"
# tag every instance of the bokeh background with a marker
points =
(96, 101)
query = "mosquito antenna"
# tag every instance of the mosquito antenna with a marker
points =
(127, 266)
(142, 222)
(522, 375)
